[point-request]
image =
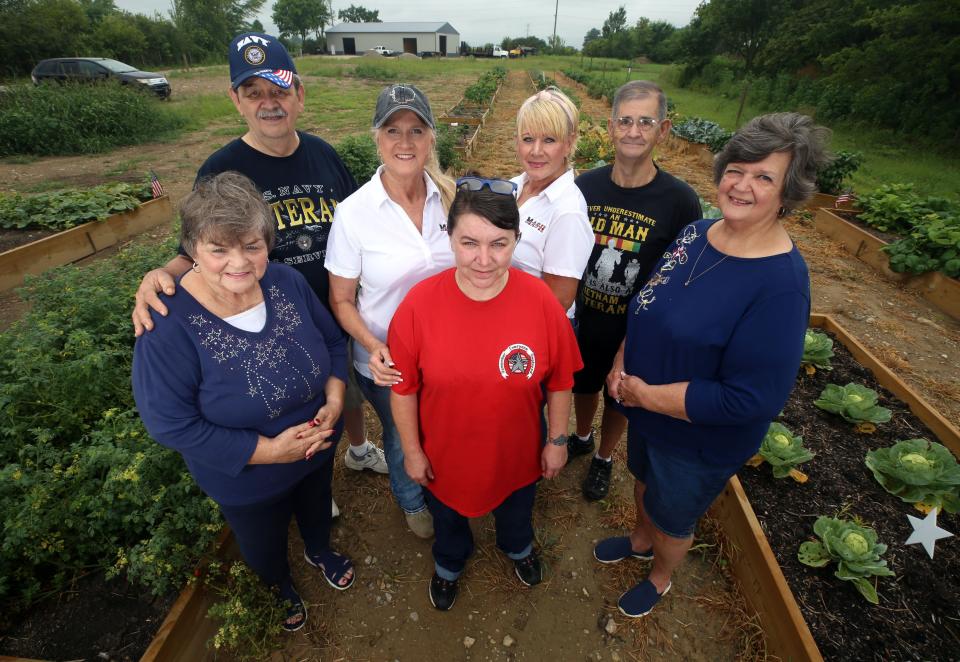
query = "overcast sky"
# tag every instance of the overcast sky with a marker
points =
(490, 20)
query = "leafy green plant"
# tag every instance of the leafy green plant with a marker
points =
(62, 210)
(247, 612)
(920, 472)
(891, 208)
(855, 550)
(359, 155)
(783, 451)
(448, 137)
(80, 119)
(817, 351)
(853, 402)
(699, 130)
(830, 178)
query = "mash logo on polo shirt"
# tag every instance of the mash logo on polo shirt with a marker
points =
(517, 359)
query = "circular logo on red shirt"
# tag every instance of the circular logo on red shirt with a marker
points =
(517, 359)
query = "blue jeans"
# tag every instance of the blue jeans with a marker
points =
(453, 543)
(407, 493)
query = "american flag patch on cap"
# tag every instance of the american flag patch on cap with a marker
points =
(280, 77)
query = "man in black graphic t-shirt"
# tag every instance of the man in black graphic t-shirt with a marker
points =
(635, 210)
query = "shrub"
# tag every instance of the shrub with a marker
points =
(80, 119)
(831, 177)
(359, 154)
(65, 209)
(372, 72)
(447, 138)
(82, 485)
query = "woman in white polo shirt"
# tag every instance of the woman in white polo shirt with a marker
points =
(386, 237)
(555, 234)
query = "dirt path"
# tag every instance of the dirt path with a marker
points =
(571, 616)
(496, 153)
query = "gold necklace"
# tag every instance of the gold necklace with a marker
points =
(691, 277)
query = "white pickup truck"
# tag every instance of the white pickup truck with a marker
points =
(383, 50)
(499, 52)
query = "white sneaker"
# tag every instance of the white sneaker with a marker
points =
(334, 509)
(373, 459)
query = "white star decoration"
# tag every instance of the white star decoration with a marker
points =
(926, 532)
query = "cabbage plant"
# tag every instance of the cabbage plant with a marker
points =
(920, 472)
(855, 550)
(782, 450)
(817, 351)
(855, 403)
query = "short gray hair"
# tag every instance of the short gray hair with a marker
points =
(639, 89)
(223, 208)
(791, 133)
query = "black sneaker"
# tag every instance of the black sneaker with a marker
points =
(443, 592)
(528, 569)
(597, 483)
(577, 446)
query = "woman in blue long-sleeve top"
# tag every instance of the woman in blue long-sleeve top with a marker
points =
(245, 378)
(713, 344)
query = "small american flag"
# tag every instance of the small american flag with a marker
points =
(844, 198)
(155, 186)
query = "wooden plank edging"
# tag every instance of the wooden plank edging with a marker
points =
(940, 290)
(753, 563)
(80, 242)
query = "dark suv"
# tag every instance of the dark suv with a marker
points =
(62, 69)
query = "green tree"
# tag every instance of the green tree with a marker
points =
(616, 22)
(27, 32)
(97, 10)
(592, 35)
(117, 35)
(359, 14)
(207, 26)
(300, 16)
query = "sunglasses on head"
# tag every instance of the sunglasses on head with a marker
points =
(501, 186)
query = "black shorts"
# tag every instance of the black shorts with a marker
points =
(599, 338)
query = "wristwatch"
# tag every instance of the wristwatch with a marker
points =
(559, 441)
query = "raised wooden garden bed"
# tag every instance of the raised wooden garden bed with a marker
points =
(80, 242)
(753, 561)
(942, 291)
(826, 200)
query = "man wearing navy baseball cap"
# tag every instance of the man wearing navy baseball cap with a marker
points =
(301, 178)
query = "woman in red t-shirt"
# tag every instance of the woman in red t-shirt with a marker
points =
(478, 347)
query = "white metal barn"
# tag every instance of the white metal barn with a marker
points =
(403, 37)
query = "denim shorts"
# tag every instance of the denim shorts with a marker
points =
(681, 485)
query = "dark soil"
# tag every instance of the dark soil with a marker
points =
(918, 617)
(461, 110)
(95, 619)
(852, 216)
(13, 238)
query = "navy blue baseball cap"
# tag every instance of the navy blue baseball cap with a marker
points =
(257, 54)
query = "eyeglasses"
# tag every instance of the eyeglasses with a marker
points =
(645, 123)
(501, 186)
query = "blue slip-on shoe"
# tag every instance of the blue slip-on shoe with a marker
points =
(641, 599)
(614, 550)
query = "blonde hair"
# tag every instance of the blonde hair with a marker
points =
(446, 185)
(550, 112)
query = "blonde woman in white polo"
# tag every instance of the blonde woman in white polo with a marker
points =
(387, 237)
(555, 234)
